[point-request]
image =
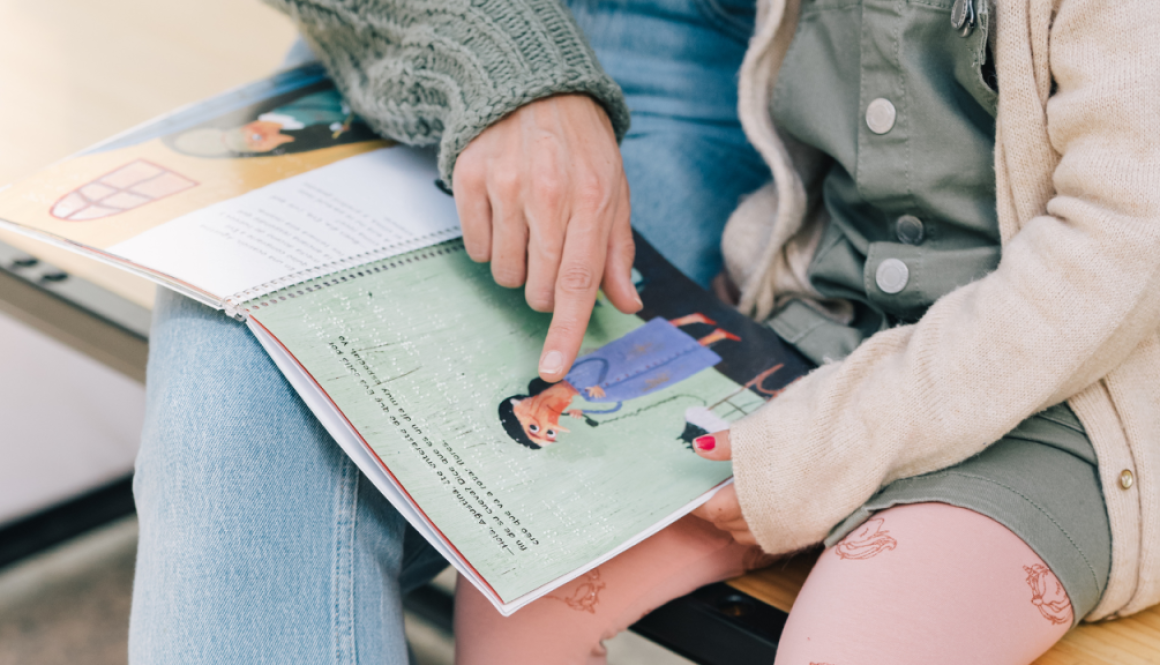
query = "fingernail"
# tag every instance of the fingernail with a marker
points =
(706, 442)
(552, 362)
(639, 302)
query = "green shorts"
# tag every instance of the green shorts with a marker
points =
(1041, 482)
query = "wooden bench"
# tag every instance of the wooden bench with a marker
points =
(1134, 640)
(58, 57)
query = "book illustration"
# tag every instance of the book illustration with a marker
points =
(275, 203)
(654, 356)
(215, 152)
(310, 122)
(270, 92)
(702, 420)
(360, 209)
(419, 351)
(131, 186)
(195, 207)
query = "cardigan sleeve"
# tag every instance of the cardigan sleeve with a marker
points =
(442, 71)
(1077, 289)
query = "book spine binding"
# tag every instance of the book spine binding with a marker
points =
(234, 305)
(241, 310)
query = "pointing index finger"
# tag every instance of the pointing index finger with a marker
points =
(577, 281)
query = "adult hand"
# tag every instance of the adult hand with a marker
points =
(723, 510)
(542, 195)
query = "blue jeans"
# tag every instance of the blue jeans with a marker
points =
(687, 160)
(260, 540)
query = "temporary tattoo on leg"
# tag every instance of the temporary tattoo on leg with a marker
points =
(586, 596)
(1047, 594)
(868, 541)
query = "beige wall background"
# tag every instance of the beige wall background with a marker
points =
(73, 72)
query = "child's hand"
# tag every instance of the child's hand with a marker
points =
(723, 511)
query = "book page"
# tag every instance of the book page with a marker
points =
(239, 193)
(435, 367)
(361, 208)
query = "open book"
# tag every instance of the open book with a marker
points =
(341, 253)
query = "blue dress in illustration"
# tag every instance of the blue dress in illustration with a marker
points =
(654, 356)
(650, 358)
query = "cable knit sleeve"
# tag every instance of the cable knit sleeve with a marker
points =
(1077, 290)
(442, 71)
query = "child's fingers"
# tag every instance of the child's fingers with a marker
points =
(714, 446)
(743, 536)
(724, 512)
(721, 509)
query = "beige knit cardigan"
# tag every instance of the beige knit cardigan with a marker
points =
(1072, 312)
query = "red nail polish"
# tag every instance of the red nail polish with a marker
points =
(706, 442)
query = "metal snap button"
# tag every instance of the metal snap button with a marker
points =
(1126, 479)
(910, 230)
(880, 115)
(892, 276)
(963, 16)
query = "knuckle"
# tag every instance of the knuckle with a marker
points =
(507, 182)
(547, 253)
(626, 246)
(476, 248)
(507, 276)
(476, 223)
(469, 170)
(576, 278)
(592, 192)
(538, 300)
(548, 147)
(549, 188)
(566, 328)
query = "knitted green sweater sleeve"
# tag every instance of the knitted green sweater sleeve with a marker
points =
(441, 71)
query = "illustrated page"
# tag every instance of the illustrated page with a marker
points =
(239, 193)
(372, 205)
(435, 366)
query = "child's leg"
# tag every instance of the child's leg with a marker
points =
(926, 583)
(567, 626)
